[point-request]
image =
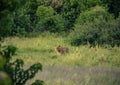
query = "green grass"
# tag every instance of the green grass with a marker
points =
(41, 49)
(81, 66)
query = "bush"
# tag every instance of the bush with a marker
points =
(38, 82)
(20, 76)
(21, 24)
(48, 20)
(15, 70)
(96, 27)
(93, 14)
(6, 21)
(56, 24)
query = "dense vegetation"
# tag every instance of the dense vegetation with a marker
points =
(96, 64)
(102, 18)
(92, 22)
(13, 71)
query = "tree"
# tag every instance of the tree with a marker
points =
(48, 20)
(6, 22)
(113, 6)
(96, 27)
(6, 15)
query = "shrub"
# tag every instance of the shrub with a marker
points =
(6, 21)
(38, 82)
(15, 70)
(18, 74)
(21, 25)
(48, 20)
(96, 27)
(93, 14)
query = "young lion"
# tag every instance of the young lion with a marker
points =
(61, 50)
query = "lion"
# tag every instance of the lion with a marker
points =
(61, 50)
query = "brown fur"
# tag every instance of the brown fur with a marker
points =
(61, 50)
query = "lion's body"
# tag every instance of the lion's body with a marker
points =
(61, 50)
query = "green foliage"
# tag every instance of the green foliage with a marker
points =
(92, 14)
(71, 9)
(18, 74)
(7, 51)
(9, 4)
(113, 6)
(31, 6)
(56, 24)
(26, 17)
(97, 28)
(48, 21)
(7, 9)
(21, 24)
(38, 82)
(92, 3)
(6, 22)
(44, 12)
(15, 69)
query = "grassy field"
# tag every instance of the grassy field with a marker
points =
(81, 66)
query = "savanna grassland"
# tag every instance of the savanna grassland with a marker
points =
(81, 66)
(89, 28)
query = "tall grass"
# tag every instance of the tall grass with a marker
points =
(81, 66)
(41, 49)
